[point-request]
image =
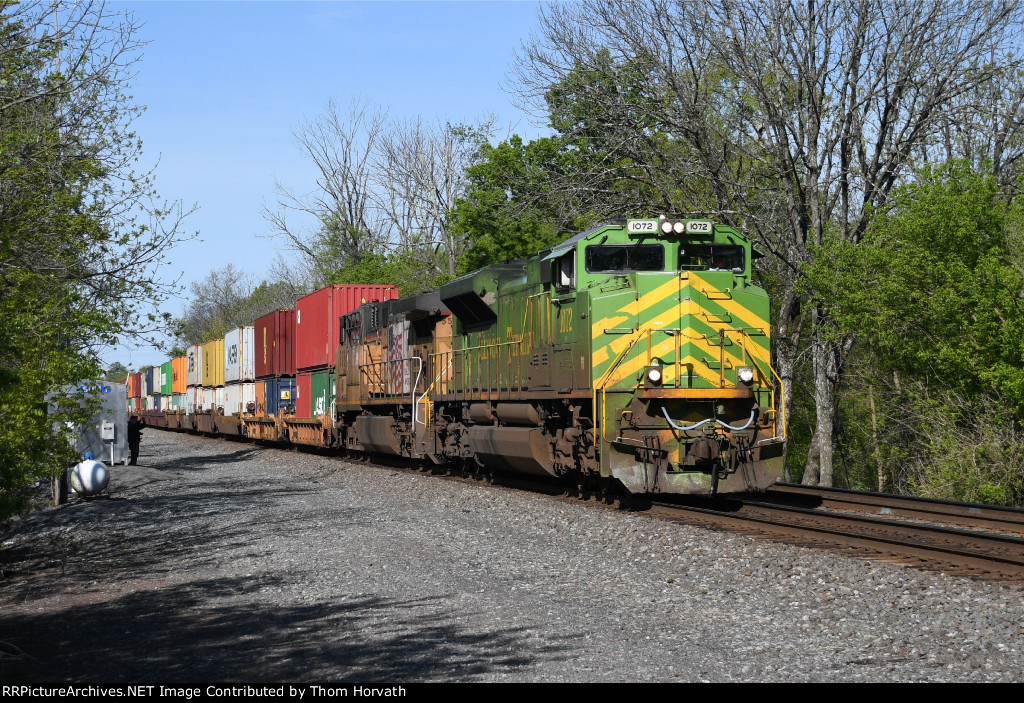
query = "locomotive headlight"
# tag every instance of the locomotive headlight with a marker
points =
(679, 227)
(745, 375)
(666, 227)
(654, 374)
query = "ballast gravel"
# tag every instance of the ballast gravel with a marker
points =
(226, 562)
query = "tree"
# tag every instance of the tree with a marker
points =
(226, 298)
(933, 294)
(509, 210)
(81, 233)
(791, 121)
(385, 189)
(116, 372)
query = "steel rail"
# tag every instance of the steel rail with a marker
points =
(984, 517)
(938, 547)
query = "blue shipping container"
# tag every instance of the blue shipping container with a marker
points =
(153, 379)
(280, 395)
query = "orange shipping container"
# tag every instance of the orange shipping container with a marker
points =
(261, 398)
(179, 371)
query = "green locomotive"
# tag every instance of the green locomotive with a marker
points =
(635, 353)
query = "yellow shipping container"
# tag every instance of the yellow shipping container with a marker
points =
(213, 363)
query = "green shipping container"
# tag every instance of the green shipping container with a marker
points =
(166, 378)
(322, 398)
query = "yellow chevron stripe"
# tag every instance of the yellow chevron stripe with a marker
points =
(630, 367)
(747, 316)
(666, 348)
(633, 307)
(735, 352)
(690, 336)
(699, 368)
(612, 349)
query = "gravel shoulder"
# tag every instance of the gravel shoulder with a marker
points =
(222, 561)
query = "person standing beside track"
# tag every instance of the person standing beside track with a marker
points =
(134, 438)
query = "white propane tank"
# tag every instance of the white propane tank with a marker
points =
(89, 477)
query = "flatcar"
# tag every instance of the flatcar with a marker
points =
(634, 356)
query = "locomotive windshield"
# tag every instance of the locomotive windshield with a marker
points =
(711, 257)
(622, 258)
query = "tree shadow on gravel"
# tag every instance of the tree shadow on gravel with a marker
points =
(105, 540)
(200, 463)
(182, 633)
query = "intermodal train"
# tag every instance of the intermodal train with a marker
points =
(634, 356)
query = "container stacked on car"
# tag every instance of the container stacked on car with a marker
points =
(135, 392)
(210, 395)
(166, 381)
(274, 366)
(317, 333)
(152, 396)
(239, 380)
(193, 379)
(144, 392)
(179, 383)
(153, 388)
(275, 363)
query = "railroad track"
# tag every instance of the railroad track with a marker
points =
(990, 518)
(988, 554)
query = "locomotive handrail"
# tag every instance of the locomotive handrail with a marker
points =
(486, 351)
(428, 405)
(601, 388)
(772, 397)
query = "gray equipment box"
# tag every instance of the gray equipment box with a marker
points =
(106, 434)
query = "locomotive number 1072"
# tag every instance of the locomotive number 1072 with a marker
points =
(641, 226)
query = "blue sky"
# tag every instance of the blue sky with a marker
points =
(225, 83)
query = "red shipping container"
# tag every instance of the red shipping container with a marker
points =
(317, 323)
(304, 391)
(275, 344)
(135, 385)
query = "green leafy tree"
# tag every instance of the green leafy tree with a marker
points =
(509, 210)
(933, 296)
(81, 233)
(116, 372)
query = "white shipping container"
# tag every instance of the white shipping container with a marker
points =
(204, 398)
(150, 402)
(190, 400)
(144, 380)
(194, 371)
(178, 401)
(218, 397)
(239, 355)
(237, 397)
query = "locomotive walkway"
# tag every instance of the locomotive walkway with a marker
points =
(222, 561)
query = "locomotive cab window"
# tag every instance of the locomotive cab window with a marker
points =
(564, 270)
(607, 258)
(711, 257)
